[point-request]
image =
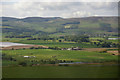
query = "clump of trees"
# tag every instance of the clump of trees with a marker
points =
(18, 36)
(37, 47)
(45, 61)
(23, 63)
(54, 61)
(106, 44)
(55, 48)
(77, 38)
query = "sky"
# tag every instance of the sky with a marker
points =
(59, 8)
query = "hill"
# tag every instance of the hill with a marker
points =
(59, 26)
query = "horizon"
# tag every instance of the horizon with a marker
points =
(55, 17)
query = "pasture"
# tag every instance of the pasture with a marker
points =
(49, 54)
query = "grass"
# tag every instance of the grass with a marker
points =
(84, 71)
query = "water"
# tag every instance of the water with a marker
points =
(74, 63)
(7, 44)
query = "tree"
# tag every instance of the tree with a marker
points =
(60, 40)
(106, 44)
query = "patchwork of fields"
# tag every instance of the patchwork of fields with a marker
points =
(44, 63)
(60, 47)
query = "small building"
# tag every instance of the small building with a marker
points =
(26, 56)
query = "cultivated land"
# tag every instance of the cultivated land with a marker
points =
(60, 48)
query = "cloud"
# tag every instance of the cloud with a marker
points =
(59, 9)
(60, 0)
(81, 13)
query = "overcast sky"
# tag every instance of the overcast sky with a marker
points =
(66, 9)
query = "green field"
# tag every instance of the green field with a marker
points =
(83, 71)
(48, 54)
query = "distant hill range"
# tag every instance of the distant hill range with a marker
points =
(58, 25)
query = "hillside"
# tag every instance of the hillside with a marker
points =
(58, 26)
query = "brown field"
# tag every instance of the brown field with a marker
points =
(115, 52)
(21, 47)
